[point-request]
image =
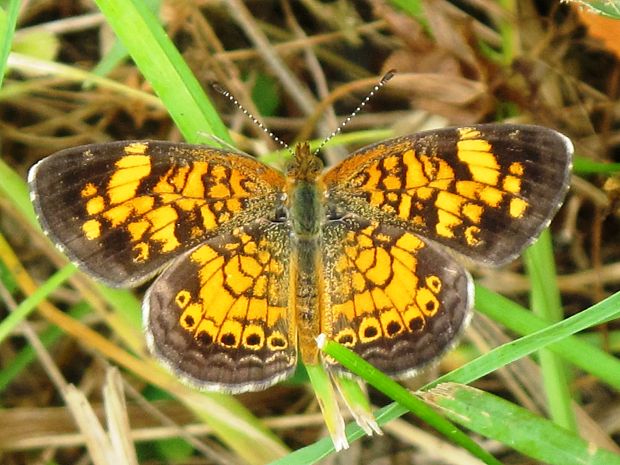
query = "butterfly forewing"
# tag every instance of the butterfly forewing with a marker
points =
(485, 191)
(122, 210)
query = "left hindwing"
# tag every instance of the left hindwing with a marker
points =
(486, 191)
(220, 317)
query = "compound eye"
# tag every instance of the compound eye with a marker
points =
(281, 215)
(334, 214)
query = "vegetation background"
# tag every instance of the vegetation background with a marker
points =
(79, 72)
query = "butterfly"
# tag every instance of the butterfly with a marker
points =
(254, 263)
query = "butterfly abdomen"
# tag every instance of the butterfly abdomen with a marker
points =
(307, 289)
(306, 213)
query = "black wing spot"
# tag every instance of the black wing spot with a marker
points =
(393, 328)
(228, 339)
(205, 339)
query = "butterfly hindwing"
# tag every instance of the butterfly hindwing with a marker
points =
(219, 316)
(396, 300)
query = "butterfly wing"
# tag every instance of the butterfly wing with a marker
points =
(219, 315)
(485, 191)
(122, 210)
(396, 300)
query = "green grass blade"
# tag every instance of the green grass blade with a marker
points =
(354, 394)
(8, 20)
(28, 64)
(516, 318)
(13, 187)
(114, 56)
(583, 165)
(546, 303)
(503, 355)
(117, 53)
(162, 65)
(609, 8)
(26, 307)
(503, 421)
(609, 340)
(413, 8)
(325, 394)
(395, 391)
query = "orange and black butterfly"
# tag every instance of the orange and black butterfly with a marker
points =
(256, 263)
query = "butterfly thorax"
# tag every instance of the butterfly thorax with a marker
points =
(304, 193)
(306, 213)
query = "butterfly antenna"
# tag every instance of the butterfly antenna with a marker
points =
(386, 77)
(218, 88)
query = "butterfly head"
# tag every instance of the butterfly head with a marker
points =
(304, 166)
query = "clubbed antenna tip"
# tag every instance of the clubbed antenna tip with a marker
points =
(387, 76)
